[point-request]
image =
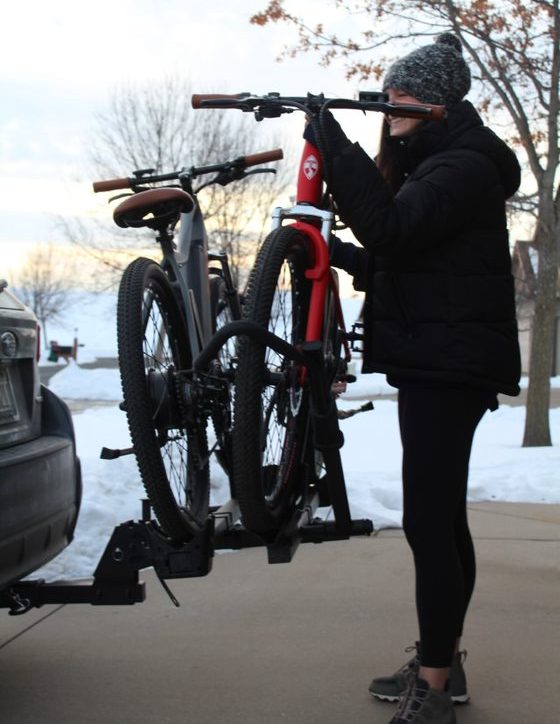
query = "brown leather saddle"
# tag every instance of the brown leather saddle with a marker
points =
(154, 208)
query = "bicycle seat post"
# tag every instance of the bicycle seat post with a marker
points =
(164, 236)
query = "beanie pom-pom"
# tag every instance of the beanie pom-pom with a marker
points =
(450, 39)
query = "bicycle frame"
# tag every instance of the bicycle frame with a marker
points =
(188, 269)
(307, 218)
(186, 264)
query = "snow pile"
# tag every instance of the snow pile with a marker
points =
(76, 383)
(500, 468)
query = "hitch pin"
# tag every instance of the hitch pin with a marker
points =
(19, 605)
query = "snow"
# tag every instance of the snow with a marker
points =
(91, 318)
(501, 470)
(78, 383)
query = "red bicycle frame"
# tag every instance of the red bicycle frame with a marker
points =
(316, 225)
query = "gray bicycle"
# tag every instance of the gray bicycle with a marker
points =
(167, 313)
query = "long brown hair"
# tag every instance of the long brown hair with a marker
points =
(390, 159)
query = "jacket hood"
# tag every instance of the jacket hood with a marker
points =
(463, 129)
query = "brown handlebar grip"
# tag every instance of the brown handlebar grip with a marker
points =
(422, 111)
(111, 184)
(265, 157)
(197, 98)
(438, 112)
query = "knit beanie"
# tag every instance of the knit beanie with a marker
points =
(432, 74)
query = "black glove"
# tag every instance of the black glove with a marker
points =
(353, 259)
(331, 132)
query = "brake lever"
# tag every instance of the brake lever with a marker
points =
(259, 170)
(271, 112)
(233, 174)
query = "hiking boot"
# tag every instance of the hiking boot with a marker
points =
(390, 688)
(422, 705)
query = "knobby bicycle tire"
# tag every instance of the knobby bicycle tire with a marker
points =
(271, 410)
(170, 446)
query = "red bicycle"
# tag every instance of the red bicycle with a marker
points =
(286, 438)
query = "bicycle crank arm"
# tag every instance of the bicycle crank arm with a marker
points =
(345, 414)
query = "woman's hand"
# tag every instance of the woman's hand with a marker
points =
(330, 130)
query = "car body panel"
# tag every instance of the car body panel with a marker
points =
(40, 479)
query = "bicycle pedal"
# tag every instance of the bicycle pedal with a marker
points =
(345, 414)
(108, 453)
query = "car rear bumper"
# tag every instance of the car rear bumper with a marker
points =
(40, 492)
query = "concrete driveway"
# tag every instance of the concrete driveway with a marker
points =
(299, 642)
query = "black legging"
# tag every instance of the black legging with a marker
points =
(437, 427)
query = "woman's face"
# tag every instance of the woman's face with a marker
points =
(401, 126)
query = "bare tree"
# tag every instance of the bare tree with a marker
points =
(44, 284)
(153, 126)
(515, 51)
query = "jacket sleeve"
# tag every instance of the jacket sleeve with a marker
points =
(429, 207)
(353, 259)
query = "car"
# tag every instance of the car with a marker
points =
(40, 478)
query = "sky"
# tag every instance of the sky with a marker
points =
(60, 61)
(500, 470)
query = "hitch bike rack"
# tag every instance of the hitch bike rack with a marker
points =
(137, 545)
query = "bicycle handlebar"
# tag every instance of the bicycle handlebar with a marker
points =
(278, 104)
(236, 164)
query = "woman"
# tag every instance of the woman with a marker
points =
(439, 320)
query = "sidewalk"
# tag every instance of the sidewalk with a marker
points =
(298, 643)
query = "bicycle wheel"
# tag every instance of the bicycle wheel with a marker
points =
(169, 442)
(271, 410)
(222, 414)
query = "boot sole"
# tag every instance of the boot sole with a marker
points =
(384, 697)
(461, 699)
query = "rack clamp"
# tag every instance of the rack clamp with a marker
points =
(133, 545)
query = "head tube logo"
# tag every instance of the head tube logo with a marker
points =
(310, 167)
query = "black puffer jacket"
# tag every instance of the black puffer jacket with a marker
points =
(435, 265)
